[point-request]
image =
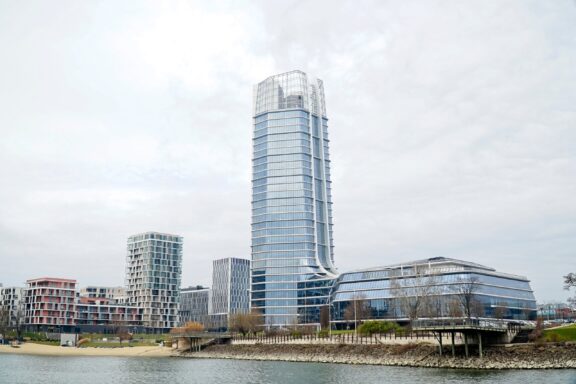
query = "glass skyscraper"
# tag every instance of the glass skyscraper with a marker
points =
(292, 243)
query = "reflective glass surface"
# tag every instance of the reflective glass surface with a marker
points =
(291, 201)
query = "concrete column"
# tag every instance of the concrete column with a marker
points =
(480, 344)
(440, 342)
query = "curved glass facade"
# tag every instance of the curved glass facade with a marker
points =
(292, 244)
(432, 288)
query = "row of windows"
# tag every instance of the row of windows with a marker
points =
(291, 186)
(282, 159)
(280, 202)
(263, 195)
(285, 270)
(284, 165)
(283, 216)
(282, 137)
(283, 172)
(268, 263)
(283, 224)
(274, 295)
(280, 115)
(282, 239)
(282, 247)
(281, 122)
(282, 209)
(283, 180)
(274, 303)
(274, 286)
(261, 133)
(283, 254)
(320, 288)
(281, 144)
(282, 151)
(277, 278)
(444, 278)
(437, 290)
(283, 231)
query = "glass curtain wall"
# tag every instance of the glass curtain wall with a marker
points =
(432, 288)
(292, 246)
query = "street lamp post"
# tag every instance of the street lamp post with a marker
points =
(355, 320)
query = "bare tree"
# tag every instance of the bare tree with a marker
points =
(324, 317)
(454, 308)
(465, 292)
(4, 320)
(414, 293)
(358, 309)
(246, 323)
(18, 319)
(570, 280)
(500, 310)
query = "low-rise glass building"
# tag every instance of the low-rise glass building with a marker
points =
(432, 288)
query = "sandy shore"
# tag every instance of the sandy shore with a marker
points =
(50, 350)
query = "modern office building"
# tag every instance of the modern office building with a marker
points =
(12, 301)
(230, 286)
(292, 230)
(50, 304)
(153, 274)
(438, 287)
(99, 292)
(194, 303)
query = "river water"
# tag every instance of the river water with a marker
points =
(23, 369)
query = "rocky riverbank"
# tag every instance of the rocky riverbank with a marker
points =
(522, 356)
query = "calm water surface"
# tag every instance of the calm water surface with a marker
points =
(15, 369)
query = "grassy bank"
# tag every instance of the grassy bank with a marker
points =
(561, 334)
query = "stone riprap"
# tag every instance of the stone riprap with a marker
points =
(523, 356)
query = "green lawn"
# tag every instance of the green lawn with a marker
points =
(116, 345)
(45, 342)
(561, 334)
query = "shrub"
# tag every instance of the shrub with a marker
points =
(372, 327)
(296, 334)
(323, 333)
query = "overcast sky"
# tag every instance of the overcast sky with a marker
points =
(452, 125)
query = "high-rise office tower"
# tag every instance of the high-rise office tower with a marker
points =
(153, 273)
(292, 247)
(230, 289)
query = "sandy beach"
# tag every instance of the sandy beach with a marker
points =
(50, 350)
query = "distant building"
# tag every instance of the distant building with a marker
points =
(111, 293)
(11, 299)
(103, 315)
(153, 273)
(50, 304)
(430, 288)
(194, 303)
(555, 311)
(230, 289)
